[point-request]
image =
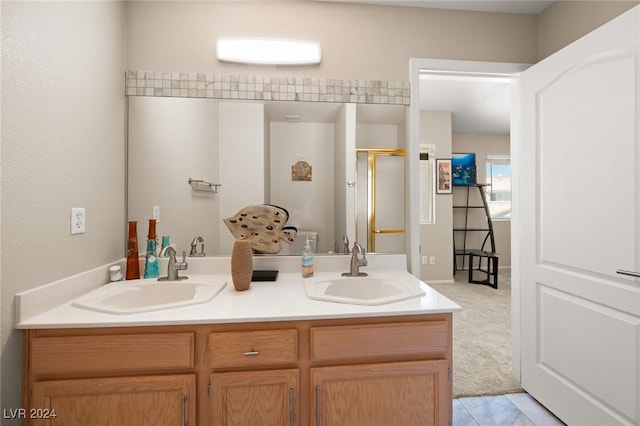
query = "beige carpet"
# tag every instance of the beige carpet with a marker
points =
(481, 337)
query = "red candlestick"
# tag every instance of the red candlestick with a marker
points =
(133, 264)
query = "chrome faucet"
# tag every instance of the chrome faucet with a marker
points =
(356, 263)
(174, 266)
(194, 247)
(345, 244)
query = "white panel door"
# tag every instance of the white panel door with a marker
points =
(578, 223)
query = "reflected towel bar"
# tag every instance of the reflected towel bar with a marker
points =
(202, 185)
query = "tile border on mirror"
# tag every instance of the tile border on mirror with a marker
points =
(254, 87)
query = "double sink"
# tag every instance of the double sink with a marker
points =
(362, 290)
(145, 295)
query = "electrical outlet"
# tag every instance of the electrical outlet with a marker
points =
(432, 260)
(424, 260)
(156, 213)
(77, 220)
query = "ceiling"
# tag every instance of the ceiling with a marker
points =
(477, 105)
(529, 7)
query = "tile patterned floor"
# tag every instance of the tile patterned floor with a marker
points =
(503, 410)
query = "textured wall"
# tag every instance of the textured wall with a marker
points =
(435, 239)
(566, 21)
(358, 42)
(62, 146)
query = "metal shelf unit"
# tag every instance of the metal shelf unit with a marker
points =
(461, 249)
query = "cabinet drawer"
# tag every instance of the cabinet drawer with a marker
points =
(253, 348)
(112, 353)
(382, 341)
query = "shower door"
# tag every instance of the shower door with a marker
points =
(380, 200)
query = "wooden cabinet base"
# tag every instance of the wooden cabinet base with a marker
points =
(364, 371)
(404, 393)
(266, 398)
(125, 401)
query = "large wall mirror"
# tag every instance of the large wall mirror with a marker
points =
(254, 151)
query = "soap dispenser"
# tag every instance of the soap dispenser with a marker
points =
(307, 260)
(151, 259)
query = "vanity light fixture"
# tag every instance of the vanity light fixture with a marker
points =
(268, 51)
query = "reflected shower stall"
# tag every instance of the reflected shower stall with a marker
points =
(380, 199)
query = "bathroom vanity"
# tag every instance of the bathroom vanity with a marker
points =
(266, 356)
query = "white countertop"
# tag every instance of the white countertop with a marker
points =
(282, 300)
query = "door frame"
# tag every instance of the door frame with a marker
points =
(470, 69)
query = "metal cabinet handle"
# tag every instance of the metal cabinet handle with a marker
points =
(318, 419)
(183, 408)
(629, 273)
(291, 406)
(252, 352)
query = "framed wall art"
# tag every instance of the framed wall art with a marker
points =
(301, 171)
(463, 169)
(443, 176)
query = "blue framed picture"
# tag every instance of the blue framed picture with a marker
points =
(463, 169)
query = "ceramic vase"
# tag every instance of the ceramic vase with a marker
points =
(241, 264)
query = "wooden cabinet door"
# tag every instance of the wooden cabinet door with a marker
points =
(403, 393)
(250, 398)
(122, 401)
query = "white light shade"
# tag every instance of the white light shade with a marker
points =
(267, 51)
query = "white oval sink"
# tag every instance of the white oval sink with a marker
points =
(134, 296)
(363, 290)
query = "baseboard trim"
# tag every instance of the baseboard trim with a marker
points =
(439, 282)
